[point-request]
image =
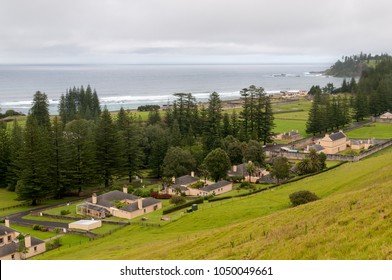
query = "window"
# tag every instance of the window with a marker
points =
(9, 238)
(13, 256)
(1, 240)
(35, 249)
(144, 210)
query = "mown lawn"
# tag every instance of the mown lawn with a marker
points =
(8, 199)
(219, 229)
(289, 125)
(35, 233)
(373, 130)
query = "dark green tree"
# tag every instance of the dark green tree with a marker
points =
(16, 144)
(35, 181)
(217, 163)
(178, 162)
(40, 109)
(254, 152)
(81, 164)
(213, 132)
(109, 153)
(5, 156)
(130, 133)
(280, 168)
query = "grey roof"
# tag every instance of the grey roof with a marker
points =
(145, 203)
(94, 207)
(316, 147)
(240, 170)
(8, 249)
(4, 229)
(215, 186)
(13, 246)
(181, 188)
(337, 136)
(186, 180)
(36, 241)
(107, 199)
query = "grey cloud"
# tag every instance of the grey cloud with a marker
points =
(104, 30)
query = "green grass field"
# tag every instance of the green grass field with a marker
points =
(36, 233)
(288, 125)
(376, 130)
(350, 221)
(8, 199)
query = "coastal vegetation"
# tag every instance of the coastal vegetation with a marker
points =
(353, 66)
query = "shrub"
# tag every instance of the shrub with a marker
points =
(247, 185)
(235, 179)
(177, 200)
(178, 207)
(65, 212)
(197, 185)
(37, 227)
(142, 192)
(302, 197)
(160, 195)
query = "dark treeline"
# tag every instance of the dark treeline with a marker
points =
(87, 147)
(371, 96)
(353, 66)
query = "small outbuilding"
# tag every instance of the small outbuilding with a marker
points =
(85, 224)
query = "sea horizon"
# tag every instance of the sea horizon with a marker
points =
(132, 85)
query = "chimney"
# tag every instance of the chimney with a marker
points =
(27, 240)
(125, 189)
(234, 168)
(140, 203)
(193, 173)
(7, 222)
(94, 198)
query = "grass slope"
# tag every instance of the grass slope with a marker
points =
(351, 221)
(376, 130)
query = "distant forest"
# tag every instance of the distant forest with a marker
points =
(352, 66)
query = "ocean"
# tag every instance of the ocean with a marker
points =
(133, 85)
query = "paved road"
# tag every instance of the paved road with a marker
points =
(18, 220)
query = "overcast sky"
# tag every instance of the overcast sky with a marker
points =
(191, 31)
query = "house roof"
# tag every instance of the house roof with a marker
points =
(240, 170)
(14, 246)
(316, 147)
(8, 249)
(186, 180)
(107, 199)
(337, 136)
(181, 188)
(386, 115)
(215, 186)
(145, 203)
(5, 230)
(94, 207)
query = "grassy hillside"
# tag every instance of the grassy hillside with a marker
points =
(351, 221)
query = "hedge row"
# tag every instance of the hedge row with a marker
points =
(185, 205)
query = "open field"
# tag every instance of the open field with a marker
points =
(373, 130)
(350, 221)
(36, 233)
(288, 125)
(8, 199)
(29, 207)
